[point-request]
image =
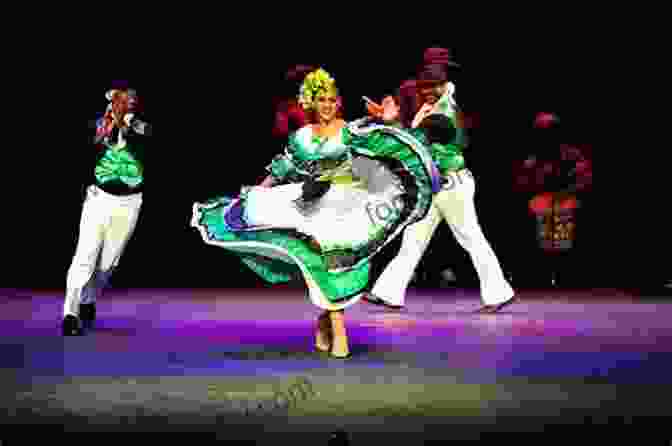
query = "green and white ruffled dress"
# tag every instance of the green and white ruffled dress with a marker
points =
(381, 180)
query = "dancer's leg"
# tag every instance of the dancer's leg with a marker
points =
(392, 284)
(323, 333)
(456, 204)
(334, 326)
(120, 228)
(339, 348)
(91, 234)
(123, 215)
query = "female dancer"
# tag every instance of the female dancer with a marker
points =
(338, 194)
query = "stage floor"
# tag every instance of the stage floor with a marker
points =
(240, 363)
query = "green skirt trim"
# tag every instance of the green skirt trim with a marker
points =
(279, 256)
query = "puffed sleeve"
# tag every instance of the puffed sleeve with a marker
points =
(280, 167)
(283, 165)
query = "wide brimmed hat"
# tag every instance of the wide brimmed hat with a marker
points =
(441, 56)
(132, 94)
(433, 74)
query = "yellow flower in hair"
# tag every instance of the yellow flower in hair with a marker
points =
(313, 83)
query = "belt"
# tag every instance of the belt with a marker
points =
(451, 178)
(96, 191)
(118, 188)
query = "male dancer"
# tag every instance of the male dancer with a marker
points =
(110, 209)
(454, 203)
(409, 91)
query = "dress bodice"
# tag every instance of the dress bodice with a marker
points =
(308, 155)
(308, 146)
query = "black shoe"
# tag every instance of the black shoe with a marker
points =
(72, 326)
(87, 314)
(373, 299)
(491, 309)
(339, 438)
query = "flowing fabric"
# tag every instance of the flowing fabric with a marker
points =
(381, 182)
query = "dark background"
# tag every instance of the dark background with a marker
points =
(211, 107)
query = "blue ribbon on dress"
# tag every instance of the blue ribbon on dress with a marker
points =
(436, 177)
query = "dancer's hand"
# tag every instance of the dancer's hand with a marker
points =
(390, 109)
(424, 111)
(374, 109)
(128, 118)
(268, 182)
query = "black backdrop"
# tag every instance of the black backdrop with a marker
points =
(212, 114)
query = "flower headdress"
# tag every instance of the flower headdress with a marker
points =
(315, 82)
